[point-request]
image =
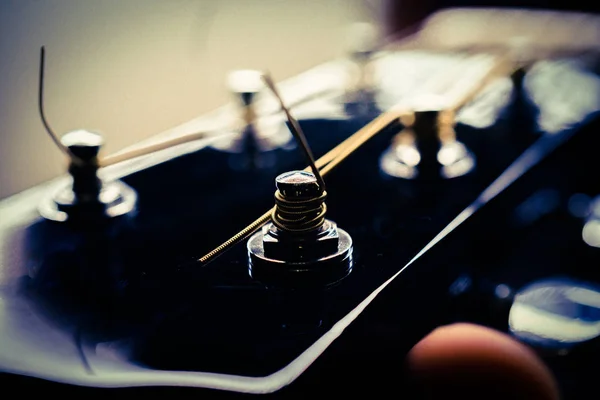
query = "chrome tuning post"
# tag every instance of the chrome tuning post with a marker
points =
(427, 148)
(258, 134)
(300, 248)
(87, 198)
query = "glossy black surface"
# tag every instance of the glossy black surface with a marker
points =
(130, 290)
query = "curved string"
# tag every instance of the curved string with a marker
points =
(49, 130)
(296, 131)
(335, 156)
(139, 152)
(119, 157)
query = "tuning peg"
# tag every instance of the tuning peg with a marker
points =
(360, 89)
(519, 54)
(87, 198)
(258, 133)
(427, 149)
(362, 41)
(245, 84)
(300, 248)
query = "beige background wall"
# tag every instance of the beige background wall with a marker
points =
(134, 68)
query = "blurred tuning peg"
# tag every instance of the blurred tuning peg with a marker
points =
(87, 198)
(259, 133)
(521, 54)
(363, 42)
(245, 84)
(427, 148)
(517, 53)
(521, 51)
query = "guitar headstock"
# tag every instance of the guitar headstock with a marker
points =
(212, 256)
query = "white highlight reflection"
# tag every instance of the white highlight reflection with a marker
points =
(409, 154)
(456, 160)
(591, 233)
(524, 318)
(556, 313)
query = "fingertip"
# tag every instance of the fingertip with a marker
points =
(470, 361)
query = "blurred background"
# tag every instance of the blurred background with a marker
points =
(132, 69)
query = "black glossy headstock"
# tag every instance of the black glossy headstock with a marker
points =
(124, 303)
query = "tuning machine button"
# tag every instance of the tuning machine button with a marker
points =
(259, 133)
(427, 149)
(87, 198)
(300, 248)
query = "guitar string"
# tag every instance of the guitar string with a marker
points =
(504, 66)
(296, 131)
(332, 159)
(126, 155)
(160, 146)
(118, 157)
(155, 147)
(495, 71)
(216, 134)
(338, 154)
(327, 162)
(134, 153)
(49, 130)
